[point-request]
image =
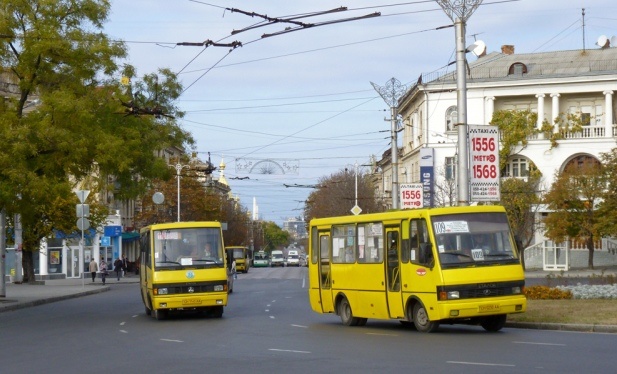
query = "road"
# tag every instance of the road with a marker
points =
(269, 327)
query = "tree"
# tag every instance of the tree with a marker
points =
(572, 199)
(521, 200)
(445, 189)
(607, 208)
(59, 63)
(274, 236)
(335, 195)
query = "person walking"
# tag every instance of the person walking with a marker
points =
(103, 268)
(93, 268)
(118, 268)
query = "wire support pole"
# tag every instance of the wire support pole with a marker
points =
(179, 168)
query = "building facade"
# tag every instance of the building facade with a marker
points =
(551, 84)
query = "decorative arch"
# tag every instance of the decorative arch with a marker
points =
(579, 160)
(517, 68)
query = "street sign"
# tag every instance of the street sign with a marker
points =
(83, 223)
(82, 210)
(82, 195)
(356, 210)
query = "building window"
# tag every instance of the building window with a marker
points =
(517, 68)
(517, 167)
(451, 118)
(450, 168)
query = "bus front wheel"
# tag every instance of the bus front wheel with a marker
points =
(160, 314)
(421, 320)
(493, 323)
(347, 317)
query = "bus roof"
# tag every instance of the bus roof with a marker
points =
(177, 225)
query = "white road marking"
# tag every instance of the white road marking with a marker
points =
(267, 310)
(172, 340)
(535, 343)
(122, 323)
(304, 327)
(272, 317)
(135, 315)
(287, 350)
(478, 363)
(124, 331)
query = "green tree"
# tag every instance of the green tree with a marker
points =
(572, 199)
(607, 209)
(65, 121)
(274, 236)
(335, 195)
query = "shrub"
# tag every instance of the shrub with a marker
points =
(546, 293)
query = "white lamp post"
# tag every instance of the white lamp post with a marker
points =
(179, 168)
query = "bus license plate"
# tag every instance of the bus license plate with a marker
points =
(191, 301)
(489, 307)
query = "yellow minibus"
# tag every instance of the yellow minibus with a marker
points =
(183, 267)
(420, 266)
(241, 255)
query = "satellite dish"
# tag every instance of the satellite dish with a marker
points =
(158, 198)
(613, 41)
(478, 48)
(603, 41)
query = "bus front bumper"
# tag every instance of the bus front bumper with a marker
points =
(479, 308)
(189, 301)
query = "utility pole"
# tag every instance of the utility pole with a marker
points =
(459, 12)
(390, 93)
(179, 168)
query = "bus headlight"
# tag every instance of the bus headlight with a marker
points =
(516, 290)
(449, 295)
(160, 291)
(219, 288)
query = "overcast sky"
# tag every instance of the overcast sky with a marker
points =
(301, 105)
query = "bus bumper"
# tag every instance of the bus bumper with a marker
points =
(479, 308)
(189, 301)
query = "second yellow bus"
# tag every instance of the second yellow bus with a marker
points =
(420, 266)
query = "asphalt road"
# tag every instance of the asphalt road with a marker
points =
(268, 327)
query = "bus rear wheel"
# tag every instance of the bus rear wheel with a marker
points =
(347, 317)
(493, 323)
(421, 320)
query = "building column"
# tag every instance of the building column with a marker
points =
(555, 110)
(490, 108)
(608, 114)
(540, 110)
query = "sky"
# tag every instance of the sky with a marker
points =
(287, 110)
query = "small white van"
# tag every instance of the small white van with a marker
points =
(277, 259)
(293, 259)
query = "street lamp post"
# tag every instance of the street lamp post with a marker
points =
(459, 12)
(390, 93)
(179, 168)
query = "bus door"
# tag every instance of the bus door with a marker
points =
(393, 273)
(325, 273)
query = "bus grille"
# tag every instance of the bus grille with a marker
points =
(483, 290)
(189, 288)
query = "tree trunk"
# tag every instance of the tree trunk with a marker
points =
(590, 247)
(27, 264)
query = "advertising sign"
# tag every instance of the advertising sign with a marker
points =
(484, 163)
(427, 175)
(411, 195)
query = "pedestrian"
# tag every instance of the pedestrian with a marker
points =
(93, 268)
(103, 268)
(118, 268)
(233, 269)
(125, 264)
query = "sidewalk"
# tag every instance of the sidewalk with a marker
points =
(24, 295)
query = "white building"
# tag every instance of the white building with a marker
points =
(550, 84)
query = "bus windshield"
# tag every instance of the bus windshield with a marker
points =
(473, 239)
(194, 247)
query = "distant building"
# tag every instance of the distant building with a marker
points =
(296, 228)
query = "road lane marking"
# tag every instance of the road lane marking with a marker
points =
(304, 327)
(124, 331)
(122, 323)
(478, 363)
(172, 340)
(287, 350)
(536, 343)
(272, 317)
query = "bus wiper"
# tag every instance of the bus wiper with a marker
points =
(498, 255)
(456, 254)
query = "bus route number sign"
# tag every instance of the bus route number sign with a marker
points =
(411, 195)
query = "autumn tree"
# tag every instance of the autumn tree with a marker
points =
(607, 209)
(65, 120)
(572, 200)
(445, 189)
(335, 195)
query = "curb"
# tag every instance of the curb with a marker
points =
(607, 329)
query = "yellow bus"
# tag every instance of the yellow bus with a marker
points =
(241, 255)
(422, 267)
(183, 267)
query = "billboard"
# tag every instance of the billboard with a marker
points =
(484, 163)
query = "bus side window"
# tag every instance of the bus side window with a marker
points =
(421, 251)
